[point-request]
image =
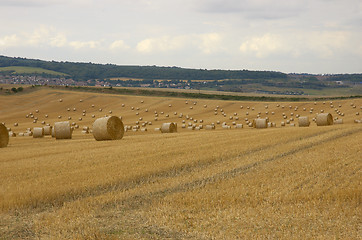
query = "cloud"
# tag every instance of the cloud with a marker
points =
(319, 44)
(46, 36)
(29, 3)
(326, 43)
(207, 43)
(210, 42)
(267, 9)
(161, 44)
(262, 46)
(84, 44)
(117, 45)
(9, 41)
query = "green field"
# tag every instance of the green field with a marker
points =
(29, 70)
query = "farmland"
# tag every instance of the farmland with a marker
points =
(29, 70)
(280, 182)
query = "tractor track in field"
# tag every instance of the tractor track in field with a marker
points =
(175, 171)
(168, 173)
(141, 200)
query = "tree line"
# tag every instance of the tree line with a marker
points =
(85, 71)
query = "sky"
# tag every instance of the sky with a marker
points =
(291, 36)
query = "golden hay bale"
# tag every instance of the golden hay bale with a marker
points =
(324, 119)
(239, 126)
(338, 121)
(168, 128)
(303, 121)
(108, 128)
(4, 136)
(260, 123)
(62, 130)
(38, 132)
(47, 130)
(210, 127)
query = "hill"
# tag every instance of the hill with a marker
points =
(243, 81)
(85, 71)
(29, 71)
(280, 182)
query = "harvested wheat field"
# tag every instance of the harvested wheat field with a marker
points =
(279, 182)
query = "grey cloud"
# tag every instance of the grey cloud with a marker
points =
(266, 9)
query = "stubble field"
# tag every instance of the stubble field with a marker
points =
(278, 183)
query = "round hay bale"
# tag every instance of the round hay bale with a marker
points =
(60, 100)
(47, 130)
(260, 123)
(4, 136)
(108, 128)
(16, 124)
(239, 126)
(210, 127)
(157, 129)
(62, 130)
(168, 128)
(303, 121)
(38, 132)
(338, 121)
(324, 119)
(28, 134)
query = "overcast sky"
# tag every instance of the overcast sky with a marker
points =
(314, 36)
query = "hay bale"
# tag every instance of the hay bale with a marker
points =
(28, 134)
(239, 126)
(108, 128)
(47, 130)
(210, 127)
(168, 128)
(157, 129)
(62, 130)
(303, 121)
(260, 123)
(38, 132)
(338, 121)
(324, 119)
